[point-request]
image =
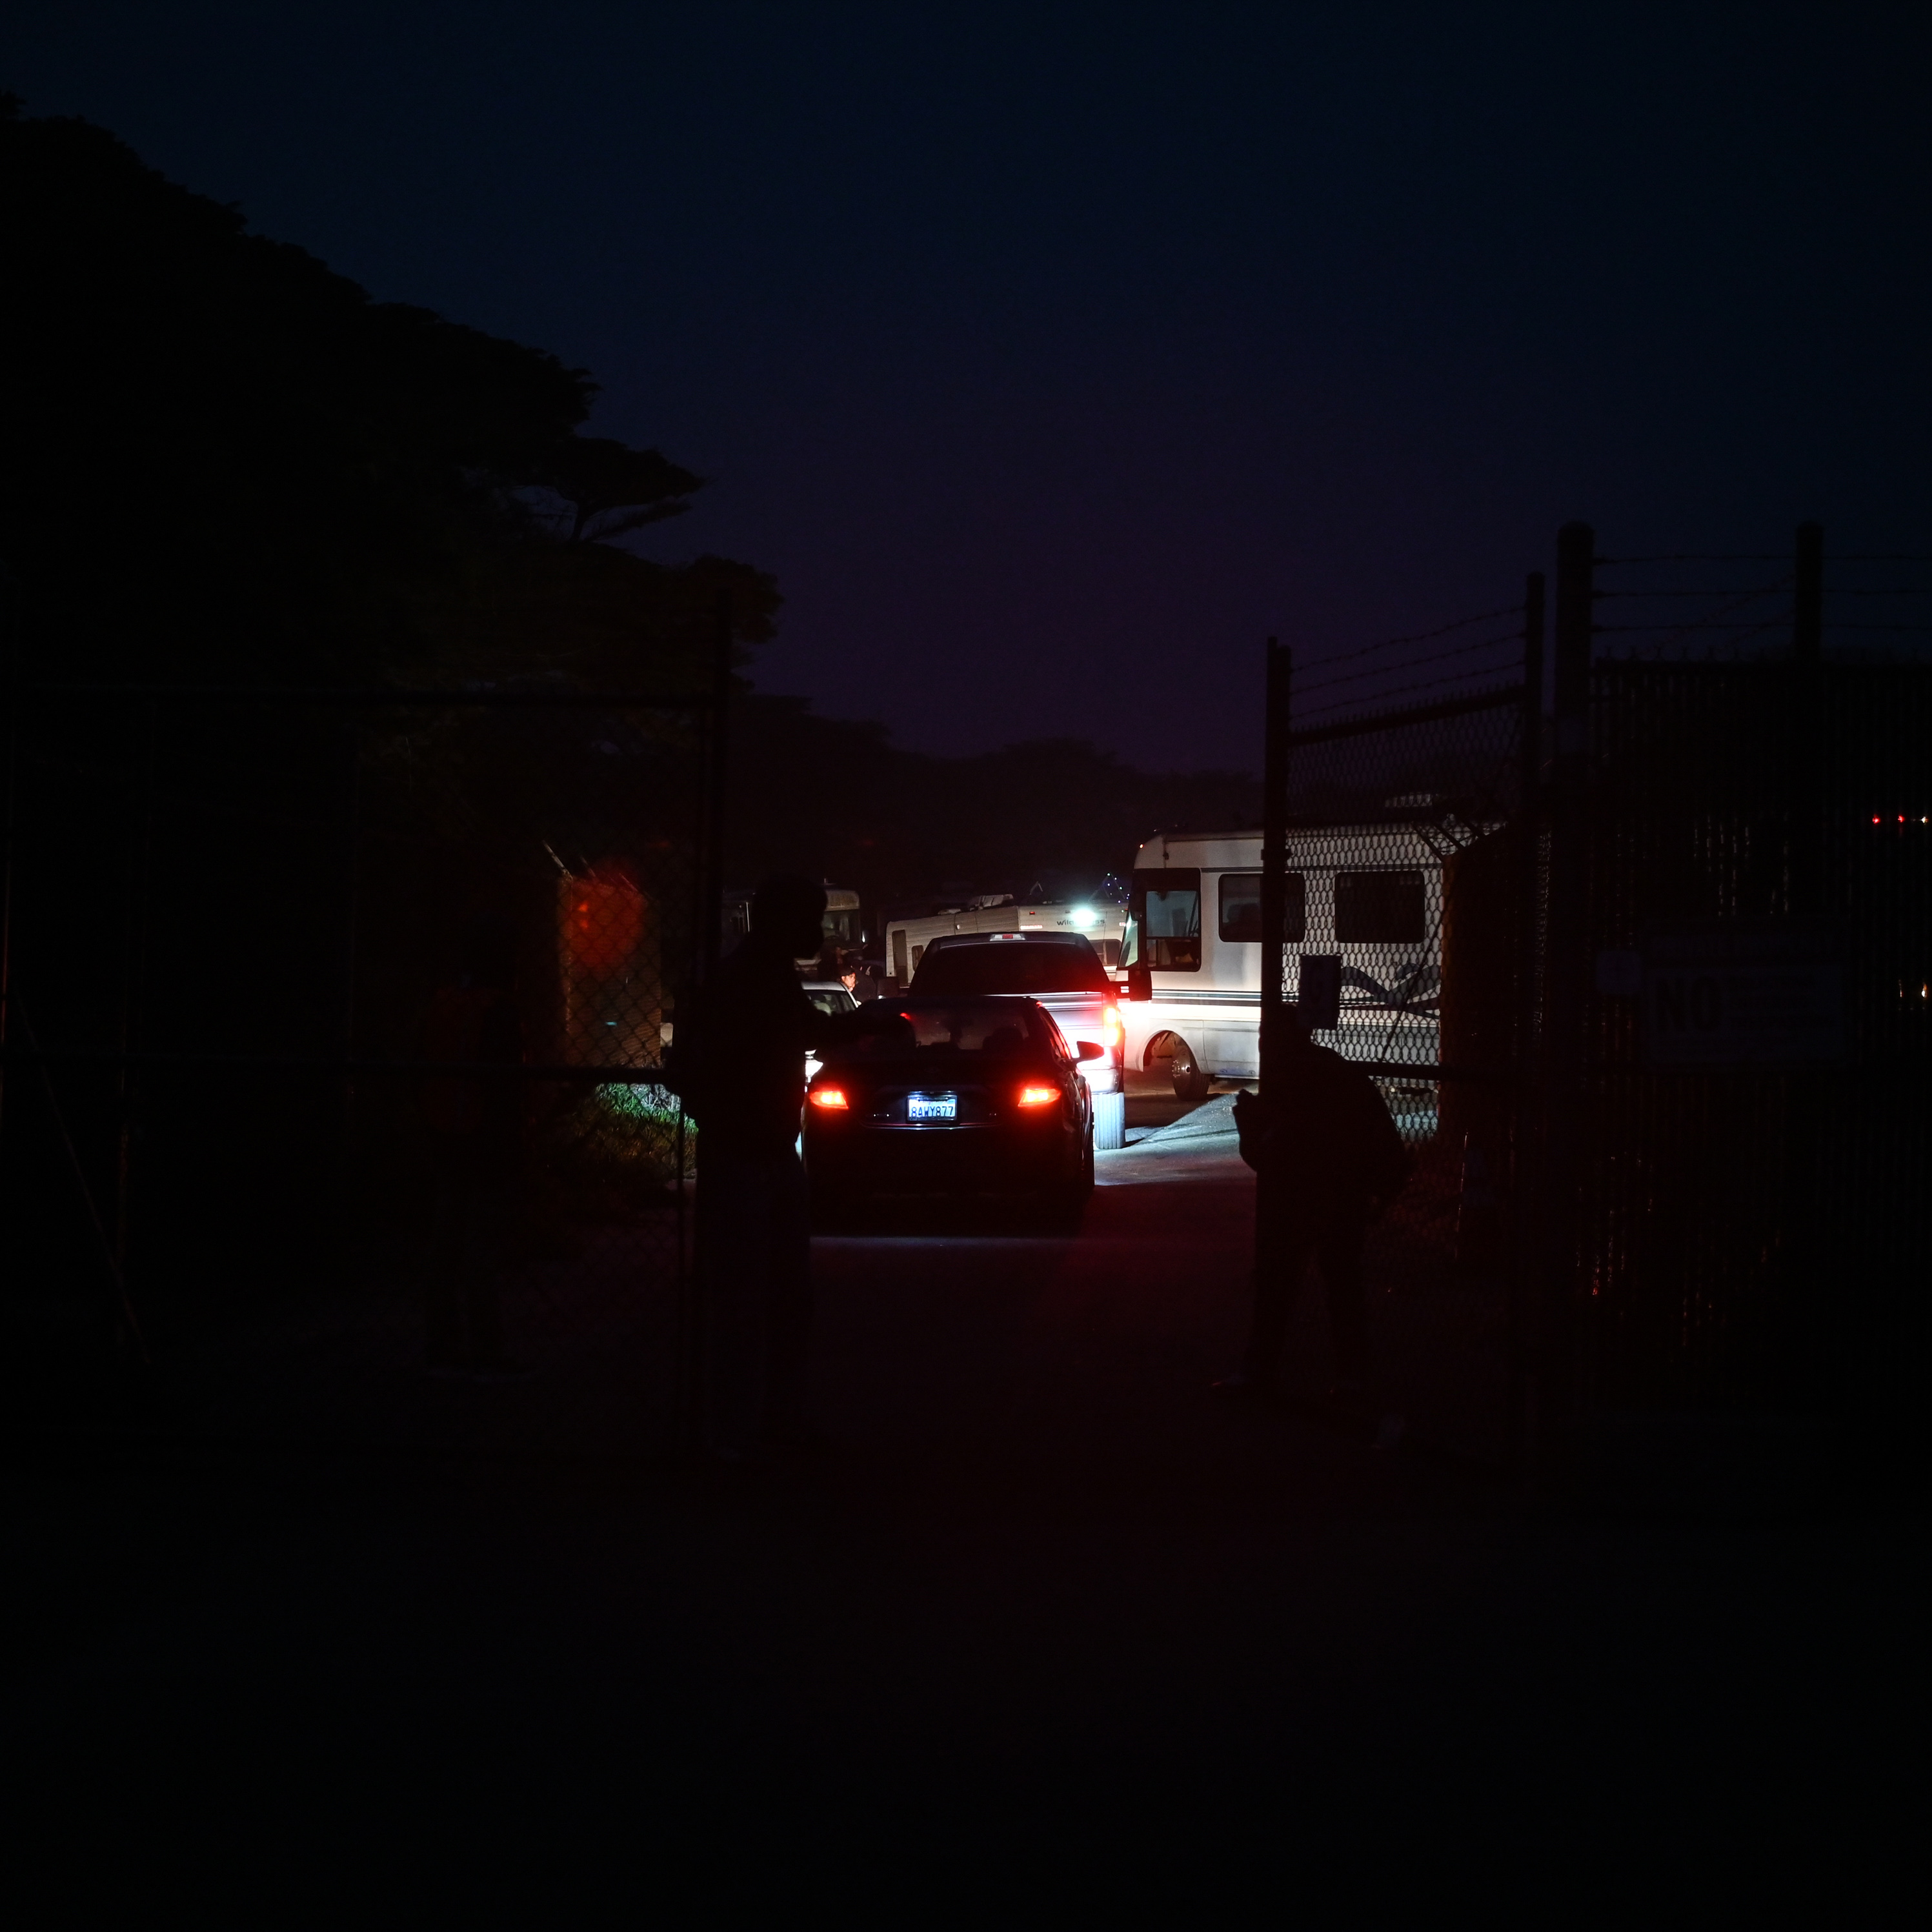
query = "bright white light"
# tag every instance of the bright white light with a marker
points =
(1083, 916)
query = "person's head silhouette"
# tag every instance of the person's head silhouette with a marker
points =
(788, 915)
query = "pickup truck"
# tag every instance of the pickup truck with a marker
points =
(1065, 974)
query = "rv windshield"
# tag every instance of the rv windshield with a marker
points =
(1012, 966)
(1166, 912)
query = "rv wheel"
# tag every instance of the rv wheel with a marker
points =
(1191, 1082)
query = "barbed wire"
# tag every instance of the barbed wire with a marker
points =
(1718, 620)
(1688, 624)
(1435, 657)
(1420, 637)
(1382, 701)
(1763, 590)
(1702, 556)
(1655, 654)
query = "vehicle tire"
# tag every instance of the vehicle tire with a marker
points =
(1063, 1211)
(1191, 1080)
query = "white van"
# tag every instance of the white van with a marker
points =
(906, 939)
(1371, 893)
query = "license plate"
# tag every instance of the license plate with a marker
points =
(932, 1107)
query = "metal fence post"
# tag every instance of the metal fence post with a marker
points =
(691, 1349)
(1556, 1373)
(1523, 1138)
(1274, 855)
(1800, 1360)
(1807, 635)
(1274, 901)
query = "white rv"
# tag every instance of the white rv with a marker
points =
(906, 939)
(844, 924)
(1371, 893)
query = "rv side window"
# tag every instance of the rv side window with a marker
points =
(1166, 910)
(1241, 907)
(1379, 908)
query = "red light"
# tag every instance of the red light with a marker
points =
(1038, 1096)
(832, 1098)
(1876, 820)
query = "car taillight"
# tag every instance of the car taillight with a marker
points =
(1038, 1096)
(832, 1098)
(1110, 1026)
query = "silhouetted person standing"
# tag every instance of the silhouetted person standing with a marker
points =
(475, 1122)
(740, 1056)
(1328, 1161)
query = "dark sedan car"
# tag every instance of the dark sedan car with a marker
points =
(960, 1098)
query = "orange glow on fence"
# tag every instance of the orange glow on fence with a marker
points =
(603, 927)
(1038, 1096)
(832, 1098)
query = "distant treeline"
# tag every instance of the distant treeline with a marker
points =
(813, 793)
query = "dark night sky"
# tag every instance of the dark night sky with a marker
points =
(1053, 355)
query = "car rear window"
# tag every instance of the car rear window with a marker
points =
(1012, 966)
(955, 1026)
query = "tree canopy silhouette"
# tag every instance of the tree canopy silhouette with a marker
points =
(220, 460)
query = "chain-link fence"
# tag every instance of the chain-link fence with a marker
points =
(1743, 1223)
(1645, 982)
(1409, 867)
(333, 1028)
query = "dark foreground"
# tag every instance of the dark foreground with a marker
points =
(1049, 1630)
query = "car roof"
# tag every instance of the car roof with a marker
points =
(947, 939)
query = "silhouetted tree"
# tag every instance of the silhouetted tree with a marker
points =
(219, 459)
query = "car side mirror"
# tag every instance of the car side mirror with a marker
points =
(1091, 1049)
(1140, 982)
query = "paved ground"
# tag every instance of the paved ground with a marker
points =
(1049, 1630)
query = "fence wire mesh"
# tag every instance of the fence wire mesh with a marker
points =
(1410, 858)
(1750, 1215)
(334, 1028)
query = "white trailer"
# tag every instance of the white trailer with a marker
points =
(906, 939)
(1372, 894)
